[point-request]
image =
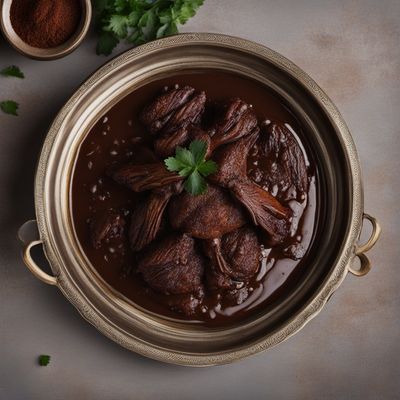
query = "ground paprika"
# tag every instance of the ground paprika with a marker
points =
(45, 23)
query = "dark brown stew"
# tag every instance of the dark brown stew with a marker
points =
(211, 258)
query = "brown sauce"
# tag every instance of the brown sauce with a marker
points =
(119, 136)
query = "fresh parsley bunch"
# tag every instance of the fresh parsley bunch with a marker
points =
(191, 164)
(139, 21)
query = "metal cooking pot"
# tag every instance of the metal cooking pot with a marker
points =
(338, 225)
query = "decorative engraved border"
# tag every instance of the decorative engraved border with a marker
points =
(75, 295)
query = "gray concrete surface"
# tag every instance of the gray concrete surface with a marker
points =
(350, 351)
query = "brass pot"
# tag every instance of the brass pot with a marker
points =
(340, 196)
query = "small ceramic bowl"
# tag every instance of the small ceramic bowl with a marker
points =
(50, 53)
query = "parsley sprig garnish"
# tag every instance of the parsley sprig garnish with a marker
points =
(139, 21)
(191, 163)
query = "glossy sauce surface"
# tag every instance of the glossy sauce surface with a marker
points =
(119, 136)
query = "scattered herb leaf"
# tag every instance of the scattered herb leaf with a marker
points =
(44, 360)
(9, 107)
(106, 43)
(191, 164)
(139, 21)
(12, 70)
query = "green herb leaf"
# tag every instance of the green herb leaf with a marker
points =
(161, 31)
(173, 164)
(186, 171)
(185, 156)
(133, 18)
(118, 25)
(107, 42)
(44, 360)
(149, 27)
(138, 21)
(199, 149)
(186, 9)
(191, 164)
(12, 70)
(134, 37)
(207, 168)
(172, 29)
(120, 5)
(101, 5)
(195, 184)
(9, 107)
(165, 18)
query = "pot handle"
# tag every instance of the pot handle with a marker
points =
(26, 252)
(365, 263)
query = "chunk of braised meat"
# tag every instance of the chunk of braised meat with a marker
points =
(166, 144)
(146, 218)
(230, 290)
(285, 169)
(236, 254)
(206, 216)
(158, 112)
(238, 295)
(196, 133)
(189, 113)
(187, 304)
(232, 160)
(231, 113)
(237, 121)
(173, 266)
(241, 252)
(261, 206)
(264, 209)
(105, 227)
(218, 281)
(145, 176)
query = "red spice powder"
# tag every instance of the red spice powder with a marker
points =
(45, 23)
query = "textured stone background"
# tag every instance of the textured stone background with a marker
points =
(350, 351)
